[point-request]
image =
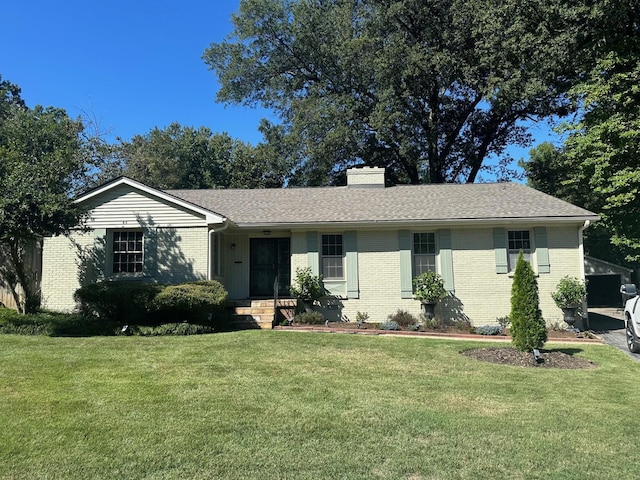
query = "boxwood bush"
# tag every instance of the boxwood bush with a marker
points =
(194, 301)
(124, 302)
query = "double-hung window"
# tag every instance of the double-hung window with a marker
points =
(332, 257)
(424, 253)
(518, 240)
(127, 251)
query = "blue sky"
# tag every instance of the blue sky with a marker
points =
(132, 64)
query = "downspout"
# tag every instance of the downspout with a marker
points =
(212, 232)
(581, 246)
(585, 307)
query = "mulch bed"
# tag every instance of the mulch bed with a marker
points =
(556, 358)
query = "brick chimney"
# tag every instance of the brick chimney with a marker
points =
(365, 177)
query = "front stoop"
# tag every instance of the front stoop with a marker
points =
(260, 313)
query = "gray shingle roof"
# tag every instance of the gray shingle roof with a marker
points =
(406, 203)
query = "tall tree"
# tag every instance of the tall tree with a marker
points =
(598, 167)
(185, 157)
(427, 88)
(41, 162)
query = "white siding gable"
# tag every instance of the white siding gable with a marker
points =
(124, 206)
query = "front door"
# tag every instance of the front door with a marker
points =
(270, 260)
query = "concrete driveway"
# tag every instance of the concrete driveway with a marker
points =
(608, 324)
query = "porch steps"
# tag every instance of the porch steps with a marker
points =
(260, 313)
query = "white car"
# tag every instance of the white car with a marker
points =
(632, 318)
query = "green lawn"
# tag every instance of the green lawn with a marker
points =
(262, 404)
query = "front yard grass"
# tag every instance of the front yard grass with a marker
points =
(260, 404)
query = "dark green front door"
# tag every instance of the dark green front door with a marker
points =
(270, 260)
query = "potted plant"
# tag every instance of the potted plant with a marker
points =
(569, 296)
(307, 287)
(428, 287)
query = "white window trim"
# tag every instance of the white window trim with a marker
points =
(414, 272)
(111, 253)
(532, 250)
(341, 257)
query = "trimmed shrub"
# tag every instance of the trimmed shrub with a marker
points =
(182, 328)
(402, 318)
(528, 329)
(52, 324)
(488, 330)
(309, 318)
(117, 301)
(389, 325)
(193, 301)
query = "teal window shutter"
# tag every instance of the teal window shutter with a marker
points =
(542, 251)
(96, 264)
(313, 257)
(404, 247)
(446, 259)
(351, 252)
(150, 252)
(500, 247)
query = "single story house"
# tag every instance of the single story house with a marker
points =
(367, 240)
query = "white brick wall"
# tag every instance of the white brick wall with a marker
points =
(60, 262)
(481, 294)
(182, 256)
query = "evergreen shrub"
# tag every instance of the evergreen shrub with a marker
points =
(123, 302)
(193, 301)
(528, 329)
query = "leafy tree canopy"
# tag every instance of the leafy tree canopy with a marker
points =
(42, 162)
(428, 89)
(185, 157)
(598, 167)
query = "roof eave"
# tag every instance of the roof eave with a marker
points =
(423, 222)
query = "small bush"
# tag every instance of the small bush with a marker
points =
(192, 301)
(309, 318)
(389, 325)
(118, 301)
(402, 318)
(504, 322)
(488, 330)
(362, 317)
(413, 328)
(431, 323)
(182, 328)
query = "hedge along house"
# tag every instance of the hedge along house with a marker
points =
(367, 240)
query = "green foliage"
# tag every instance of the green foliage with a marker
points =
(306, 286)
(402, 318)
(428, 287)
(193, 301)
(185, 157)
(52, 324)
(598, 166)
(362, 317)
(528, 329)
(41, 162)
(504, 322)
(179, 329)
(389, 325)
(488, 330)
(118, 301)
(570, 292)
(427, 89)
(309, 318)
(434, 323)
